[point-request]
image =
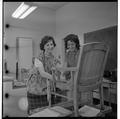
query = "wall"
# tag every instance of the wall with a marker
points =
(82, 17)
(27, 28)
(10, 39)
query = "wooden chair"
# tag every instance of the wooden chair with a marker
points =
(87, 76)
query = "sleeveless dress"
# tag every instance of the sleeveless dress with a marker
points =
(37, 85)
(72, 60)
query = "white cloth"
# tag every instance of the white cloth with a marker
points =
(38, 63)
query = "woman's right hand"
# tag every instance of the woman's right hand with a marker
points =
(67, 75)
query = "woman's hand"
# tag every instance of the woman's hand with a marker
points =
(56, 73)
(55, 62)
(67, 75)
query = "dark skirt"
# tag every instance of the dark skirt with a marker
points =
(38, 101)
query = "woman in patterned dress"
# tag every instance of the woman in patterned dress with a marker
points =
(37, 83)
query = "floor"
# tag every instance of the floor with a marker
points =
(113, 114)
(18, 112)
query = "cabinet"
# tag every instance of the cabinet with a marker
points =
(109, 91)
(24, 55)
(108, 36)
(14, 101)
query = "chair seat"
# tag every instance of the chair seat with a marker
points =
(63, 111)
(90, 111)
(56, 111)
(107, 109)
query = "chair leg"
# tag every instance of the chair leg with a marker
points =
(101, 97)
(75, 109)
(76, 105)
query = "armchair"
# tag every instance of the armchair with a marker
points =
(87, 76)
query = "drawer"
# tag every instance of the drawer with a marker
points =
(113, 91)
(113, 86)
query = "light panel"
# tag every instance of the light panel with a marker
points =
(28, 12)
(23, 10)
(20, 10)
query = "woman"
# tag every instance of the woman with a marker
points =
(42, 70)
(72, 50)
(72, 47)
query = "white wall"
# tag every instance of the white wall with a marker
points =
(27, 28)
(82, 17)
(10, 39)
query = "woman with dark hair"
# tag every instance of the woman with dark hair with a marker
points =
(42, 70)
(73, 38)
(45, 40)
(72, 47)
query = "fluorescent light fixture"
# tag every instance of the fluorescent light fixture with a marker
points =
(23, 10)
(20, 10)
(28, 12)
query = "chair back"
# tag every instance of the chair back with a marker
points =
(91, 64)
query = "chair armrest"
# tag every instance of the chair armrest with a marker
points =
(57, 81)
(58, 73)
(67, 68)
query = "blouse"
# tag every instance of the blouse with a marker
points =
(72, 58)
(36, 83)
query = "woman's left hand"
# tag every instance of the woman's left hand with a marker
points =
(56, 74)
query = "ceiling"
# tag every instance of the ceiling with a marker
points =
(50, 5)
(10, 7)
(43, 14)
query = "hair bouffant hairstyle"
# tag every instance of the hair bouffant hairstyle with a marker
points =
(73, 38)
(45, 40)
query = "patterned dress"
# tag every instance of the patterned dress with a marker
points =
(37, 85)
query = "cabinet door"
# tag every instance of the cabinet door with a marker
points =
(24, 56)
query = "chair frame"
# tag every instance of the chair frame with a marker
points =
(75, 74)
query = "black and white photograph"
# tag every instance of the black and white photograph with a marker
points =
(59, 59)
